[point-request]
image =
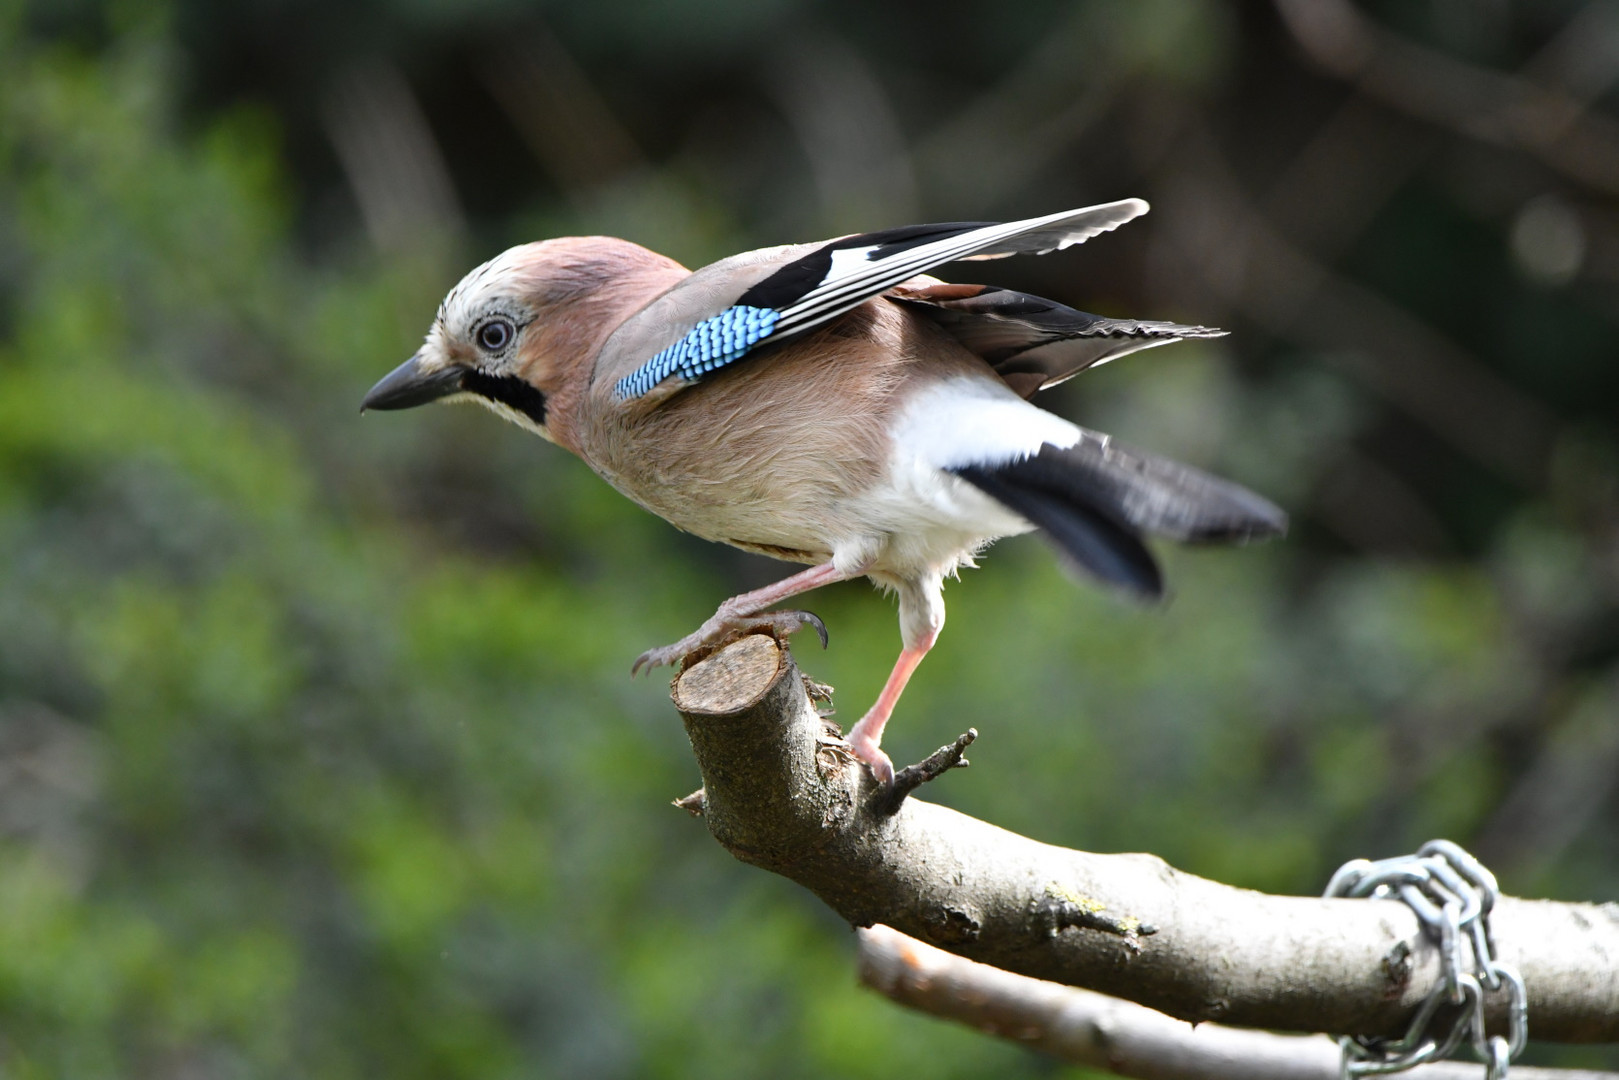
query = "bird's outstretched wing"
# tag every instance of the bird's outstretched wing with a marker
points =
(724, 311)
(1034, 343)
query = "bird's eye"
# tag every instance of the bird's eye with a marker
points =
(496, 334)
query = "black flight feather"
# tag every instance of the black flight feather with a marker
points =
(1034, 343)
(788, 285)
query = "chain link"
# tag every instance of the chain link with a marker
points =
(1452, 895)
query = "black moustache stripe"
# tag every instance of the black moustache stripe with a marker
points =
(508, 390)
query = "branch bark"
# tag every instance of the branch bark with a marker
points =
(1105, 1033)
(781, 792)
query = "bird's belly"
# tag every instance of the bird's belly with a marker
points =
(914, 519)
(791, 522)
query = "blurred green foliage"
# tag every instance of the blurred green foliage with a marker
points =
(318, 755)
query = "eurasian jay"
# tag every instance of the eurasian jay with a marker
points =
(829, 404)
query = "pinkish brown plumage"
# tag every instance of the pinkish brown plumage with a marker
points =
(828, 404)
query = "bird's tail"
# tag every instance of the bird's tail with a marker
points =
(1095, 500)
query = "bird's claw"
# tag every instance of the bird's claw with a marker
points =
(780, 623)
(787, 622)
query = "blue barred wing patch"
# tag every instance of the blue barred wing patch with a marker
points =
(711, 344)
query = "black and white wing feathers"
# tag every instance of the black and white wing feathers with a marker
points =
(817, 286)
(845, 273)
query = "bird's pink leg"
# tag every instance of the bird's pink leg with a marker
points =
(735, 613)
(867, 735)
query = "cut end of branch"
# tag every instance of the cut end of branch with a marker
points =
(730, 680)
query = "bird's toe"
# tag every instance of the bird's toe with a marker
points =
(866, 749)
(718, 630)
(659, 657)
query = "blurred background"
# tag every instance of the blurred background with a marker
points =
(318, 750)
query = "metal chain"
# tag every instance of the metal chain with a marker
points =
(1452, 894)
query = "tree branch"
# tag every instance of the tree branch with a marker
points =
(781, 792)
(1548, 121)
(1102, 1032)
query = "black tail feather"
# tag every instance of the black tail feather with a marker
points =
(1158, 496)
(1096, 498)
(1091, 541)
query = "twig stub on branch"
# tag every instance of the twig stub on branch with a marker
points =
(949, 756)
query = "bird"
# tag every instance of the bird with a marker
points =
(831, 404)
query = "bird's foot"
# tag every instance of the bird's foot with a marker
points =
(725, 625)
(865, 747)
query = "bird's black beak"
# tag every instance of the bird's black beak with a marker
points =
(407, 386)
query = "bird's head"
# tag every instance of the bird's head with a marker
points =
(517, 334)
